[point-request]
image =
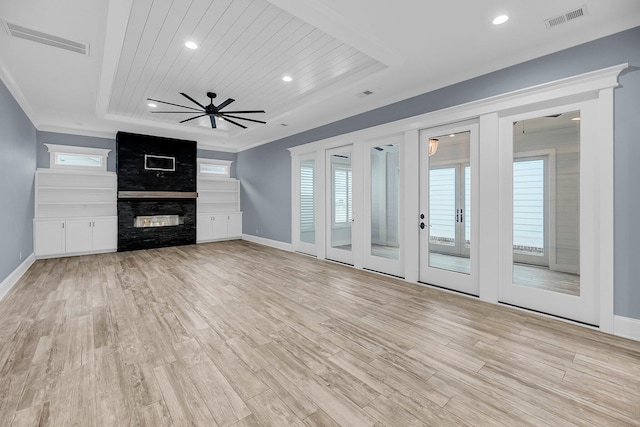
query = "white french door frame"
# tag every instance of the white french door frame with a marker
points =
(461, 282)
(394, 267)
(585, 307)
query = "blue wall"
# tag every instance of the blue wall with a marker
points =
(265, 171)
(75, 140)
(17, 171)
(108, 143)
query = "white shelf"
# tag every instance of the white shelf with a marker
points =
(75, 194)
(218, 195)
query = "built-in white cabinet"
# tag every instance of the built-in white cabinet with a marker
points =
(219, 226)
(75, 236)
(75, 212)
(219, 215)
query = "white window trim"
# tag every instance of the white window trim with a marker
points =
(215, 162)
(55, 149)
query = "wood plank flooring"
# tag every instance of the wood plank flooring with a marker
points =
(237, 334)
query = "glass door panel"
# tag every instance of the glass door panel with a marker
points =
(546, 203)
(307, 201)
(449, 201)
(385, 201)
(340, 203)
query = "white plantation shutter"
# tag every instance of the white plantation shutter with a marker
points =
(528, 206)
(343, 196)
(442, 205)
(307, 202)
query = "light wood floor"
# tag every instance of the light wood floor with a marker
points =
(234, 333)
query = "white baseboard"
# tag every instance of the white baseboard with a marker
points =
(268, 242)
(13, 278)
(626, 327)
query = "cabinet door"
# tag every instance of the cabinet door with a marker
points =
(204, 227)
(104, 234)
(234, 227)
(78, 235)
(220, 226)
(49, 237)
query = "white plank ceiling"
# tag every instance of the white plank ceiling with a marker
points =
(334, 51)
(245, 48)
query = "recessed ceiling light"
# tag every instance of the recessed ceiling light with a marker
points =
(152, 105)
(287, 78)
(191, 45)
(500, 19)
(576, 119)
(451, 135)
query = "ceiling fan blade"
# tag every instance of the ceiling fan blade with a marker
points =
(192, 100)
(213, 121)
(169, 103)
(191, 118)
(244, 112)
(224, 104)
(235, 123)
(225, 115)
(175, 112)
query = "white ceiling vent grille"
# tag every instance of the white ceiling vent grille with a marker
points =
(44, 38)
(566, 17)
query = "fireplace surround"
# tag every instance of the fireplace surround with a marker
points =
(156, 191)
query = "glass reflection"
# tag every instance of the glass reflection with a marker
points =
(450, 202)
(385, 201)
(546, 203)
(341, 201)
(307, 201)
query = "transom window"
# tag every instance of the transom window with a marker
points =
(74, 157)
(214, 168)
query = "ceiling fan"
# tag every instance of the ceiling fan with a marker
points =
(211, 110)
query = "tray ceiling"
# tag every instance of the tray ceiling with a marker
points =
(244, 50)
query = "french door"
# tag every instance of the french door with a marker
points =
(383, 222)
(448, 183)
(548, 254)
(339, 205)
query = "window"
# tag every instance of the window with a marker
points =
(72, 157)
(528, 207)
(343, 196)
(214, 168)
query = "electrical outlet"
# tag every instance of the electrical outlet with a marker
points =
(20, 256)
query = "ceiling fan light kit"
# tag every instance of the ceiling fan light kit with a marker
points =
(210, 110)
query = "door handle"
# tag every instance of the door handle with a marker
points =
(422, 225)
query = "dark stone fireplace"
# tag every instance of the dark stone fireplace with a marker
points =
(156, 191)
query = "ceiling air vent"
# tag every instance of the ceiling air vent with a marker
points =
(364, 93)
(566, 17)
(44, 38)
